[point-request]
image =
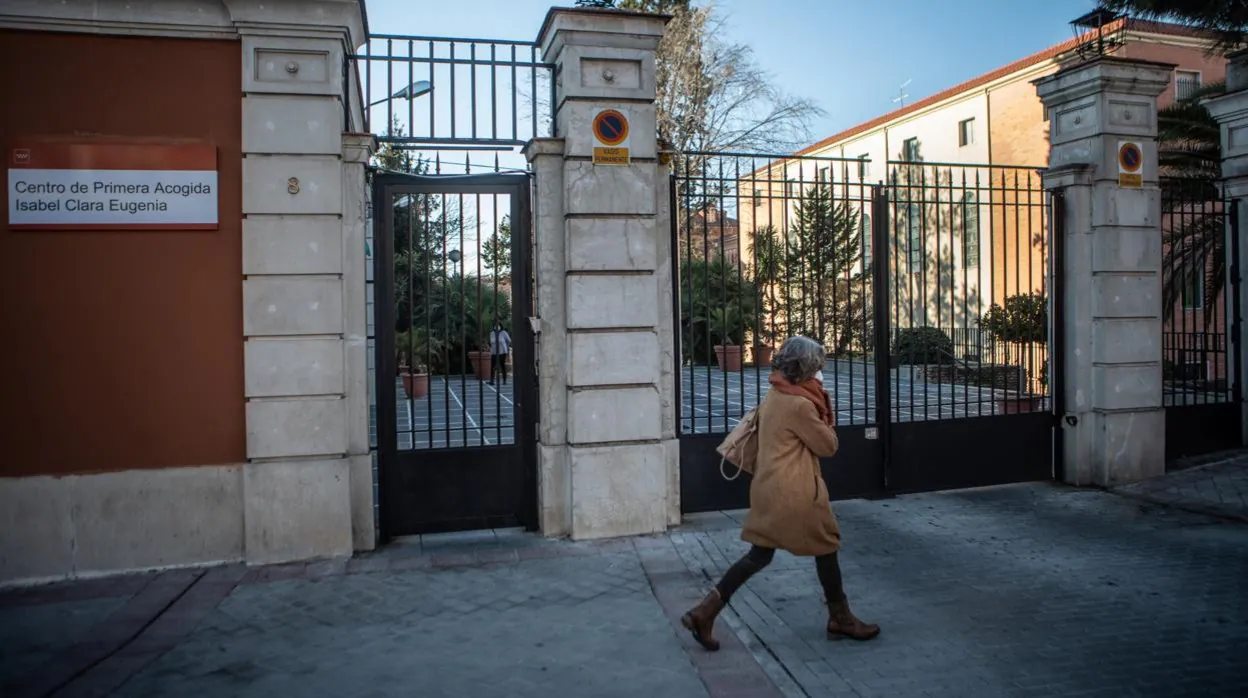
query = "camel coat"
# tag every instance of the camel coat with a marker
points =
(789, 507)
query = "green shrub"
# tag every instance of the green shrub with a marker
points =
(922, 345)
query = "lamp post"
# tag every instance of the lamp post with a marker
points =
(412, 91)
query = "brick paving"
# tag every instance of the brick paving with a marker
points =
(1216, 484)
(1031, 590)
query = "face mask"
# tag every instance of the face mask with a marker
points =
(819, 376)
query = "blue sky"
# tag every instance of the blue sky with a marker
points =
(849, 56)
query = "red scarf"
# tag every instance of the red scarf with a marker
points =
(810, 389)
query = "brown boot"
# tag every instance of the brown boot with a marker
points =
(700, 620)
(843, 623)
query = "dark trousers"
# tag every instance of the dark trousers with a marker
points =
(500, 364)
(758, 557)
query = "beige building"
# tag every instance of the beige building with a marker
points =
(977, 196)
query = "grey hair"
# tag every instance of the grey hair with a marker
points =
(799, 358)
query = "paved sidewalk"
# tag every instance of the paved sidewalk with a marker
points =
(1031, 590)
(482, 614)
(1027, 590)
(1215, 484)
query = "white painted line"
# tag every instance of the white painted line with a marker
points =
(471, 421)
(491, 387)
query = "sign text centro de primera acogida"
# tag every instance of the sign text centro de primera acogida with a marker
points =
(112, 186)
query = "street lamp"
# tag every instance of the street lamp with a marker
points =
(412, 91)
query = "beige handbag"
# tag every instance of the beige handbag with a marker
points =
(741, 446)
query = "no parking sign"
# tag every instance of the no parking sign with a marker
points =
(1130, 164)
(611, 137)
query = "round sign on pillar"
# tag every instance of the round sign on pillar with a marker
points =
(1130, 164)
(611, 137)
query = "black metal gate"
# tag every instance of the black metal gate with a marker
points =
(452, 256)
(1200, 323)
(927, 284)
(966, 285)
(456, 433)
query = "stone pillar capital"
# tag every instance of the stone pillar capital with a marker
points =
(600, 28)
(543, 147)
(1093, 105)
(358, 147)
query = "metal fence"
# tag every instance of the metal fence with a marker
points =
(455, 93)
(1196, 341)
(968, 301)
(770, 246)
(775, 246)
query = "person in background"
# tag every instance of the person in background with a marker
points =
(500, 345)
(789, 507)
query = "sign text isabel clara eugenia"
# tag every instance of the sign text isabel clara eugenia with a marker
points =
(59, 186)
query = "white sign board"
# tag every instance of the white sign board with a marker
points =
(59, 186)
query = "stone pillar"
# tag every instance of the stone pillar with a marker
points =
(1231, 111)
(1111, 283)
(608, 451)
(303, 286)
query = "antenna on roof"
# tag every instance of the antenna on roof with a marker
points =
(901, 93)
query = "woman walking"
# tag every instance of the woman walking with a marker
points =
(789, 507)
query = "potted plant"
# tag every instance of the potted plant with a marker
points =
(728, 324)
(1022, 319)
(481, 360)
(414, 349)
(769, 275)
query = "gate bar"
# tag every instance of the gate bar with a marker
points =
(1057, 330)
(883, 359)
(1237, 322)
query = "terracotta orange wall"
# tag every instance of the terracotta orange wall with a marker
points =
(122, 350)
(1018, 135)
(1211, 67)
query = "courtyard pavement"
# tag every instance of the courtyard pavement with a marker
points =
(1215, 484)
(1024, 590)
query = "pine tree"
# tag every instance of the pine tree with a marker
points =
(824, 290)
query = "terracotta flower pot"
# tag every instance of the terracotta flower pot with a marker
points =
(1020, 403)
(762, 355)
(415, 384)
(482, 366)
(728, 356)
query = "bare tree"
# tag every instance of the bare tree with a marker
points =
(712, 94)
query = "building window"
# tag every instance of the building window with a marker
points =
(970, 230)
(914, 222)
(866, 243)
(758, 198)
(823, 174)
(1186, 83)
(794, 189)
(910, 150)
(864, 167)
(1193, 290)
(966, 132)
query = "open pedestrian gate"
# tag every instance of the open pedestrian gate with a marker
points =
(454, 404)
(928, 284)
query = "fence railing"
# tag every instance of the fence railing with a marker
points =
(968, 297)
(455, 93)
(775, 246)
(1196, 342)
(770, 246)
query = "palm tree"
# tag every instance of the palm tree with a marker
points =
(1189, 143)
(1189, 153)
(1225, 21)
